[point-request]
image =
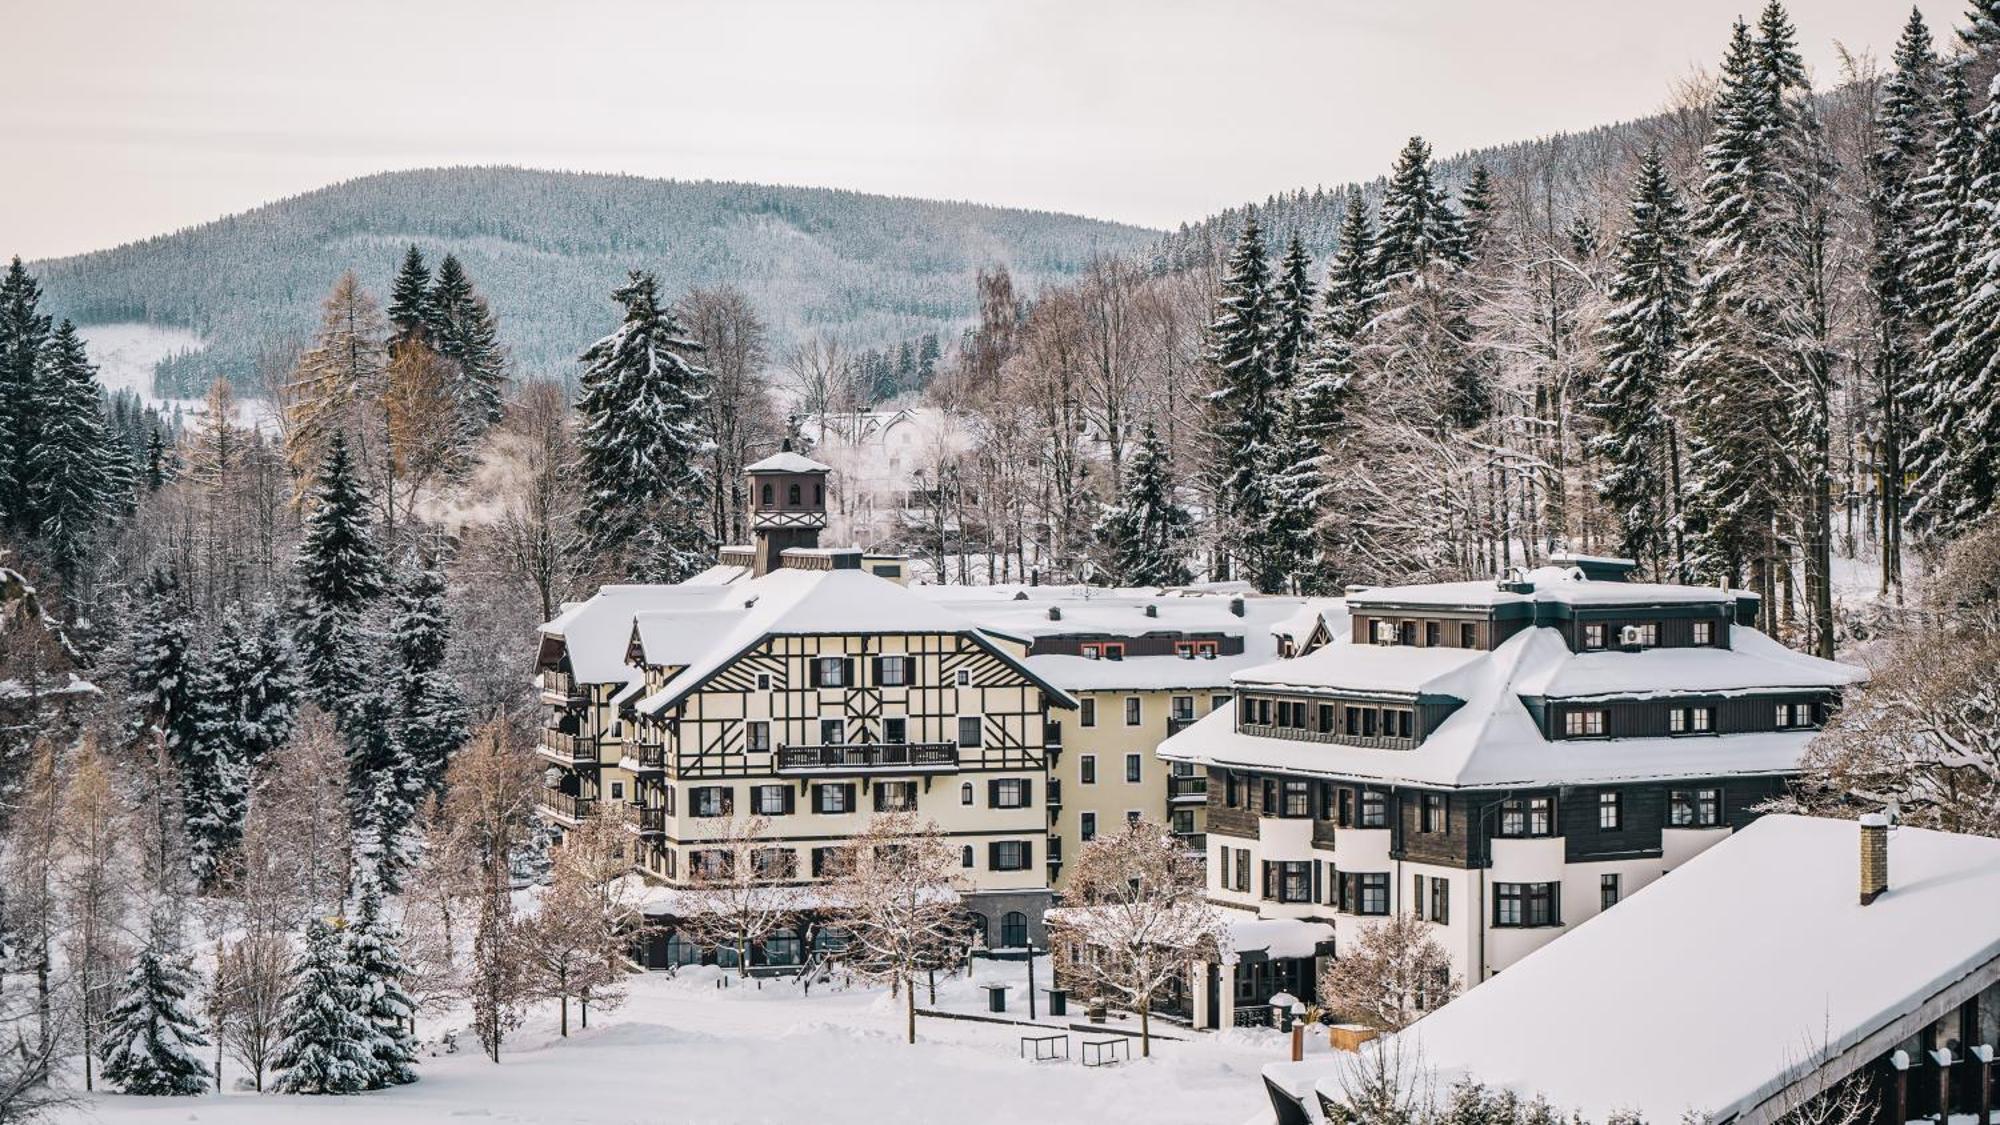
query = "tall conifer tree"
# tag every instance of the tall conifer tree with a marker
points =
(340, 575)
(1147, 532)
(72, 479)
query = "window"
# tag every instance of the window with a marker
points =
(710, 863)
(968, 730)
(1374, 809)
(617, 790)
(1407, 635)
(1103, 651)
(1468, 635)
(1440, 902)
(1433, 634)
(1086, 768)
(792, 495)
(757, 736)
(893, 671)
(1795, 715)
(1294, 881)
(1182, 822)
(1649, 634)
(1132, 767)
(1013, 929)
(763, 681)
(1188, 650)
(770, 495)
(964, 677)
(895, 796)
(1215, 701)
(1086, 712)
(833, 799)
(1131, 710)
(1296, 799)
(1433, 818)
(1593, 634)
(827, 862)
(1417, 896)
(1527, 904)
(1610, 811)
(965, 793)
(1586, 724)
(965, 856)
(770, 800)
(1008, 793)
(1691, 720)
(1694, 808)
(896, 731)
(1009, 855)
(1132, 817)
(711, 800)
(830, 671)
(1374, 898)
(1183, 708)
(1087, 826)
(832, 732)
(1243, 869)
(1607, 891)
(774, 863)
(1704, 632)
(1534, 816)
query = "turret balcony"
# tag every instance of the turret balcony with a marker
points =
(869, 757)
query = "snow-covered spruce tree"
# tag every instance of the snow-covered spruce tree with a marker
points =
(1476, 205)
(1944, 209)
(1327, 372)
(410, 299)
(1242, 412)
(1289, 537)
(383, 788)
(1421, 325)
(463, 330)
(150, 1033)
(160, 687)
(268, 688)
(328, 1044)
(1291, 315)
(340, 575)
(24, 329)
(374, 951)
(1418, 225)
(642, 403)
(1634, 398)
(1903, 120)
(215, 777)
(1147, 533)
(430, 713)
(71, 483)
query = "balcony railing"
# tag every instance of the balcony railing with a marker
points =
(644, 756)
(644, 821)
(1178, 723)
(1192, 788)
(904, 757)
(1196, 842)
(559, 689)
(567, 806)
(573, 749)
(1052, 735)
(1055, 793)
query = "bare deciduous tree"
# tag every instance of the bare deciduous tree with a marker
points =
(252, 975)
(1389, 977)
(576, 941)
(733, 902)
(896, 897)
(489, 808)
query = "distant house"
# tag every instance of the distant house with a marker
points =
(1749, 979)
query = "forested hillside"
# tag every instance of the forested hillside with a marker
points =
(547, 246)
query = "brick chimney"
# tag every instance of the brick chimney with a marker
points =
(1874, 857)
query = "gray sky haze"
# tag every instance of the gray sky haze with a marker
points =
(128, 119)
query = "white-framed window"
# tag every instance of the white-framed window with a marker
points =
(1086, 766)
(763, 681)
(1183, 708)
(757, 735)
(964, 678)
(1132, 816)
(1586, 723)
(1010, 793)
(895, 671)
(1132, 767)
(1086, 712)
(769, 800)
(1610, 810)
(895, 731)
(832, 671)
(1704, 632)
(1132, 711)
(965, 857)
(833, 799)
(965, 793)
(1593, 634)
(617, 790)
(1087, 826)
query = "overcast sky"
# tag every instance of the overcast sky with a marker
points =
(133, 118)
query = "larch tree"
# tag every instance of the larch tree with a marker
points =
(537, 532)
(1635, 397)
(340, 574)
(253, 975)
(334, 382)
(32, 862)
(1134, 920)
(736, 346)
(92, 887)
(296, 853)
(489, 807)
(896, 897)
(578, 938)
(640, 453)
(1147, 534)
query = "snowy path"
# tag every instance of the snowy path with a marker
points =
(682, 1051)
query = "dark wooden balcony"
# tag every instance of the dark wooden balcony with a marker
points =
(644, 757)
(645, 821)
(1055, 793)
(1196, 842)
(1178, 723)
(886, 757)
(1190, 789)
(567, 806)
(560, 689)
(569, 749)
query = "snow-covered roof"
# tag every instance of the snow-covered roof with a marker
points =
(1715, 988)
(1299, 626)
(787, 462)
(1565, 586)
(596, 632)
(1752, 662)
(1277, 937)
(1398, 669)
(1492, 740)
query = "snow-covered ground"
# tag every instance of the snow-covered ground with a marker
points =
(682, 1050)
(125, 355)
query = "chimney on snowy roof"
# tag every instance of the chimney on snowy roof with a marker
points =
(1874, 857)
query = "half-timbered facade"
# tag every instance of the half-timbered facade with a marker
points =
(1503, 760)
(810, 692)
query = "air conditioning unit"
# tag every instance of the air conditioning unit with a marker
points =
(1385, 632)
(1629, 636)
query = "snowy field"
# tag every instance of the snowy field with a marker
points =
(126, 353)
(682, 1051)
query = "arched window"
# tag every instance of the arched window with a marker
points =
(965, 793)
(767, 494)
(792, 495)
(819, 494)
(1013, 930)
(965, 856)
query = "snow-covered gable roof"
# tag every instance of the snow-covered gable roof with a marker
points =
(1712, 990)
(1753, 662)
(789, 602)
(787, 461)
(1492, 740)
(596, 633)
(1299, 627)
(1555, 586)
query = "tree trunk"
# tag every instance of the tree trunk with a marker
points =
(910, 1012)
(1145, 1028)
(564, 1022)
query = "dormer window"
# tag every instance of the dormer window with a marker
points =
(1792, 715)
(1590, 723)
(1104, 651)
(1691, 720)
(1188, 650)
